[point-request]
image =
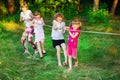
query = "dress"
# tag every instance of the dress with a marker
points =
(38, 30)
(73, 43)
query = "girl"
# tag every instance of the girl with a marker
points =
(26, 16)
(74, 32)
(39, 32)
(58, 37)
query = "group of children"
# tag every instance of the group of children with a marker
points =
(34, 25)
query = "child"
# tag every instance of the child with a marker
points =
(58, 37)
(26, 16)
(74, 32)
(39, 32)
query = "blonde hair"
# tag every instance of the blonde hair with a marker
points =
(58, 15)
(76, 21)
(23, 5)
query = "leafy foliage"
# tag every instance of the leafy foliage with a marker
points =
(99, 16)
(3, 9)
(49, 8)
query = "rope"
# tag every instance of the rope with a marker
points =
(93, 32)
(100, 32)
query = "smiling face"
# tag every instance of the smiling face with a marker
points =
(59, 19)
(76, 24)
(24, 8)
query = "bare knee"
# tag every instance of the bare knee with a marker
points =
(23, 39)
(58, 49)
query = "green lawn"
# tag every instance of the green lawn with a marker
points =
(98, 59)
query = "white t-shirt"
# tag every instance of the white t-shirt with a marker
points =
(58, 34)
(26, 16)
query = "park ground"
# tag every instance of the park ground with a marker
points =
(98, 55)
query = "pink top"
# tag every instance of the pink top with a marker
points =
(73, 42)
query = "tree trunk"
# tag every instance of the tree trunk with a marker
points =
(96, 5)
(11, 6)
(112, 12)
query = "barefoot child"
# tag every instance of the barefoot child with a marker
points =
(39, 33)
(58, 37)
(26, 17)
(74, 32)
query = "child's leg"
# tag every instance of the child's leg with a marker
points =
(70, 63)
(43, 47)
(65, 52)
(39, 49)
(74, 50)
(30, 35)
(76, 62)
(32, 43)
(23, 41)
(58, 56)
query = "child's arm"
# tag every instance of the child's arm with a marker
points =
(21, 19)
(55, 26)
(73, 35)
(33, 23)
(66, 28)
(43, 23)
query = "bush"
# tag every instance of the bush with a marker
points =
(2, 27)
(3, 9)
(49, 8)
(99, 16)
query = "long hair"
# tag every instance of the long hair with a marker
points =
(77, 21)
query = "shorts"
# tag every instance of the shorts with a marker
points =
(72, 51)
(58, 42)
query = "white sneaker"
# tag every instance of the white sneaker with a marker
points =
(26, 52)
(36, 51)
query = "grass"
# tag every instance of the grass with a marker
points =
(98, 59)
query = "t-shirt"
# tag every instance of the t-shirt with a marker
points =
(26, 16)
(73, 42)
(58, 34)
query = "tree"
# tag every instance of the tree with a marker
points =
(96, 5)
(10, 6)
(112, 12)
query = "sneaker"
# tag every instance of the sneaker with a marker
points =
(44, 52)
(65, 64)
(36, 51)
(26, 52)
(41, 57)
